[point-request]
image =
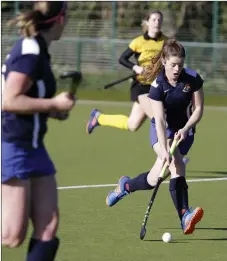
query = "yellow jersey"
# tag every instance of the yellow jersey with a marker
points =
(145, 48)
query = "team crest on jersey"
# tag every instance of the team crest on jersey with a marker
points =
(187, 88)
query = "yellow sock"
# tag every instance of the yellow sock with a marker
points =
(117, 121)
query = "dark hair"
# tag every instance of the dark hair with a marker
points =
(170, 48)
(42, 17)
(144, 22)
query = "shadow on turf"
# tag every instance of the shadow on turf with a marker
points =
(208, 172)
(207, 239)
(187, 240)
(201, 228)
(211, 228)
(159, 240)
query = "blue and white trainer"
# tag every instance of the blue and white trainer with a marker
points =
(118, 193)
(190, 219)
(93, 121)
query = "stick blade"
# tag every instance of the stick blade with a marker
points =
(143, 232)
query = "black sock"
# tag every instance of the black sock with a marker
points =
(138, 183)
(179, 193)
(42, 250)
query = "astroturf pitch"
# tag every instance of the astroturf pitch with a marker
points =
(91, 231)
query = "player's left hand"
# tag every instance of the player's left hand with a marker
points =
(181, 135)
(61, 116)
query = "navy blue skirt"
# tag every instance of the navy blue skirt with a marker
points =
(184, 146)
(24, 163)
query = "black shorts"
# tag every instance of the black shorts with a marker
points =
(138, 89)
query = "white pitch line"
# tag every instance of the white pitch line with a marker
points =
(114, 185)
(126, 104)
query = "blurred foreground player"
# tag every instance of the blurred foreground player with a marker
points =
(29, 189)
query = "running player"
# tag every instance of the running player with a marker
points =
(29, 189)
(144, 48)
(176, 97)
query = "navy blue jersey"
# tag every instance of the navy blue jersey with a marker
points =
(29, 56)
(177, 100)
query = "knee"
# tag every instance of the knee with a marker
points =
(45, 228)
(180, 167)
(152, 180)
(51, 228)
(12, 238)
(153, 175)
(132, 125)
(177, 168)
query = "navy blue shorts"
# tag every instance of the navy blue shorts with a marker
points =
(184, 146)
(24, 163)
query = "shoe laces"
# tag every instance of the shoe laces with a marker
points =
(117, 189)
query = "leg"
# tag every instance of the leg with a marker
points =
(147, 180)
(131, 123)
(144, 101)
(136, 117)
(15, 211)
(179, 192)
(178, 186)
(44, 216)
(144, 181)
(141, 182)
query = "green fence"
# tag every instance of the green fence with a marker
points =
(95, 58)
(93, 45)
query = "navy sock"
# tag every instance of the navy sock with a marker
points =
(179, 193)
(32, 242)
(138, 183)
(42, 250)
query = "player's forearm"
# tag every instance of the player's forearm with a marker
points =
(124, 59)
(194, 119)
(25, 105)
(161, 133)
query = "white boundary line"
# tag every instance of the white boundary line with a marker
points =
(126, 104)
(114, 185)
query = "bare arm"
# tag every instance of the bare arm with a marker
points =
(15, 100)
(198, 105)
(159, 115)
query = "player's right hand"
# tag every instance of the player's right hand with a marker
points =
(138, 69)
(64, 101)
(167, 157)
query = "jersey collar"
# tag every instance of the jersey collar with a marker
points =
(147, 37)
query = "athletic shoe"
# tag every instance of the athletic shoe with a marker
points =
(190, 219)
(118, 193)
(93, 121)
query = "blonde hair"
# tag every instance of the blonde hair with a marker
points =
(144, 22)
(170, 48)
(32, 22)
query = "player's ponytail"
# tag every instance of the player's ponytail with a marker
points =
(152, 70)
(170, 48)
(144, 26)
(42, 17)
(27, 23)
